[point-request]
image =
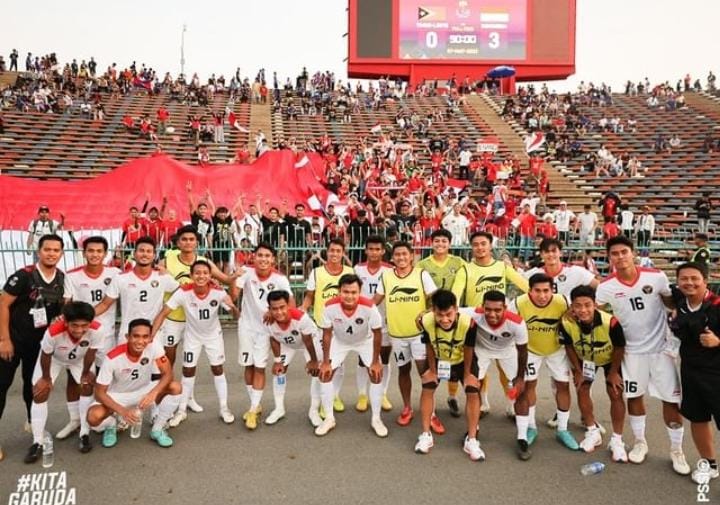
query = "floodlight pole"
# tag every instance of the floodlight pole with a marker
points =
(182, 50)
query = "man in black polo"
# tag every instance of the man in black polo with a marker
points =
(32, 297)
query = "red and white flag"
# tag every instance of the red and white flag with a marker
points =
(454, 185)
(534, 142)
(376, 129)
(233, 121)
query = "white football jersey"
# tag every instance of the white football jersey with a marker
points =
(201, 313)
(355, 327)
(371, 281)
(499, 340)
(290, 333)
(639, 308)
(568, 278)
(140, 297)
(82, 287)
(64, 349)
(254, 296)
(123, 374)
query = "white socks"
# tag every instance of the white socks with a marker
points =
(376, 394)
(188, 388)
(385, 378)
(361, 379)
(315, 392)
(109, 422)
(279, 391)
(522, 426)
(255, 398)
(676, 437)
(38, 419)
(637, 423)
(337, 380)
(84, 406)
(166, 409)
(74, 410)
(531, 417)
(221, 389)
(327, 394)
(562, 420)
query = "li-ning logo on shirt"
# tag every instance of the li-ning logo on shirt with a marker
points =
(326, 288)
(542, 320)
(399, 289)
(492, 278)
(401, 294)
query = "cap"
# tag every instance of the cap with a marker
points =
(43, 208)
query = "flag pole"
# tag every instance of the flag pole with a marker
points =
(182, 49)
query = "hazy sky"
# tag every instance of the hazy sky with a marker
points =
(616, 39)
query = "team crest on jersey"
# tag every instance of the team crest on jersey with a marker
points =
(107, 281)
(13, 281)
(647, 289)
(562, 278)
(359, 320)
(506, 334)
(84, 343)
(144, 361)
(295, 332)
(154, 284)
(271, 287)
(213, 303)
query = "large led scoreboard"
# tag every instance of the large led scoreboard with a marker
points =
(432, 39)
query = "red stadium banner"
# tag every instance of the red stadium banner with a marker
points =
(103, 202)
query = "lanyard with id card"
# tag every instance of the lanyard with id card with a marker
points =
(588, 370)
(443, 370)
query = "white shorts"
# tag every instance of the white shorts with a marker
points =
(385, 342)
(406, 350)
(253, 348)
(651, 373)
(287, 353)
(132, 398)
(172, 332)
(557, 363)
(214, 350)
(508, 363)
(55, 368)
(339, 351)
(108, 344)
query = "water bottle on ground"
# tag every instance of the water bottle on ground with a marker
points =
(592, 468)
(48, 457)
(136, 428)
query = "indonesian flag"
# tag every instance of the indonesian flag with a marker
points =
(454, 185)
(320, 202)
(376, 129)
(233, 121)
(534, 142)
(137, 82)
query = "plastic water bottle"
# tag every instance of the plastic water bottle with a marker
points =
(592, 468)
(512, 392)
(136, 428)
(48, 458)
(281, 379)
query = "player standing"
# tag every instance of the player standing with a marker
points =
(542, 310)
(68, 345)
(254, 339)
(638, 298)
(351, 322)
(405, 290)
(89, 284)
(201, 303)
(370, 273)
